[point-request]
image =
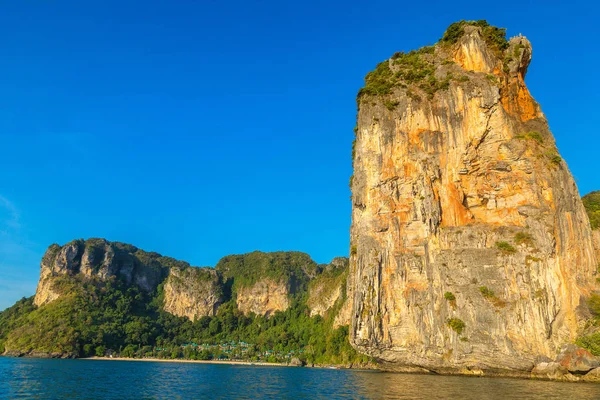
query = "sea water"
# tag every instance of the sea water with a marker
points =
(96, 379)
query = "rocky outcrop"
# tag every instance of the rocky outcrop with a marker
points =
(99, 259)
(470, 246)
(192, 292)
(264, 283)
(264, 297)
(552, 371)
(572, 364)
(328, 290)
(577, 360)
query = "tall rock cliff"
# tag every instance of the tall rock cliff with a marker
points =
(470, 246)
(99, 259)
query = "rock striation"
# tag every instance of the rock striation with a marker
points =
(264, 297)
(193, 292)
(470, 246)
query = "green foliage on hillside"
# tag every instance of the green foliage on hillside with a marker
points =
(591, 341)
(591, 202)
(10, 318)
(194, 276)
(92, 317)
(88, 312)
(413, 67)
(291, 267)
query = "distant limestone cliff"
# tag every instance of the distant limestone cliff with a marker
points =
(100, 259)
(470, 246)
(96, 297)
(261, 283)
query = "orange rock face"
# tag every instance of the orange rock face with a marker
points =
(263, 298)
(192, 292)
(471, 244)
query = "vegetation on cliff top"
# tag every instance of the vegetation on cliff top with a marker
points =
(417, 68)
(494, 37)
(244, 270)
(186, 276)
(591, 202)
(327, 283)
(413, 68)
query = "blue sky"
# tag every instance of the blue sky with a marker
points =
(201, 128)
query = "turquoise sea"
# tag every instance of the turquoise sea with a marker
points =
(92, 379)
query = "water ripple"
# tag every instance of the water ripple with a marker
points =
(83, 379)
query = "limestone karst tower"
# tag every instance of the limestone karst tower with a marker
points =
(470, 247)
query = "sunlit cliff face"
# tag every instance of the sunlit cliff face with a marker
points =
(470, 244)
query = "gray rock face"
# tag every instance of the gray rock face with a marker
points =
(100, 259)
(469, 242)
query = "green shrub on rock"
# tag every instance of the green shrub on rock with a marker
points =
(487, 292)
(449, 296)
(505, 247)
(523, 238)
(457, 325)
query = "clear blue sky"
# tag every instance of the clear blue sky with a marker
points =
(204, 128)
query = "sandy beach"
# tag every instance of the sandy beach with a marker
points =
(249, 363)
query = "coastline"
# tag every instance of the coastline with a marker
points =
(520, 375)
(213, 362)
